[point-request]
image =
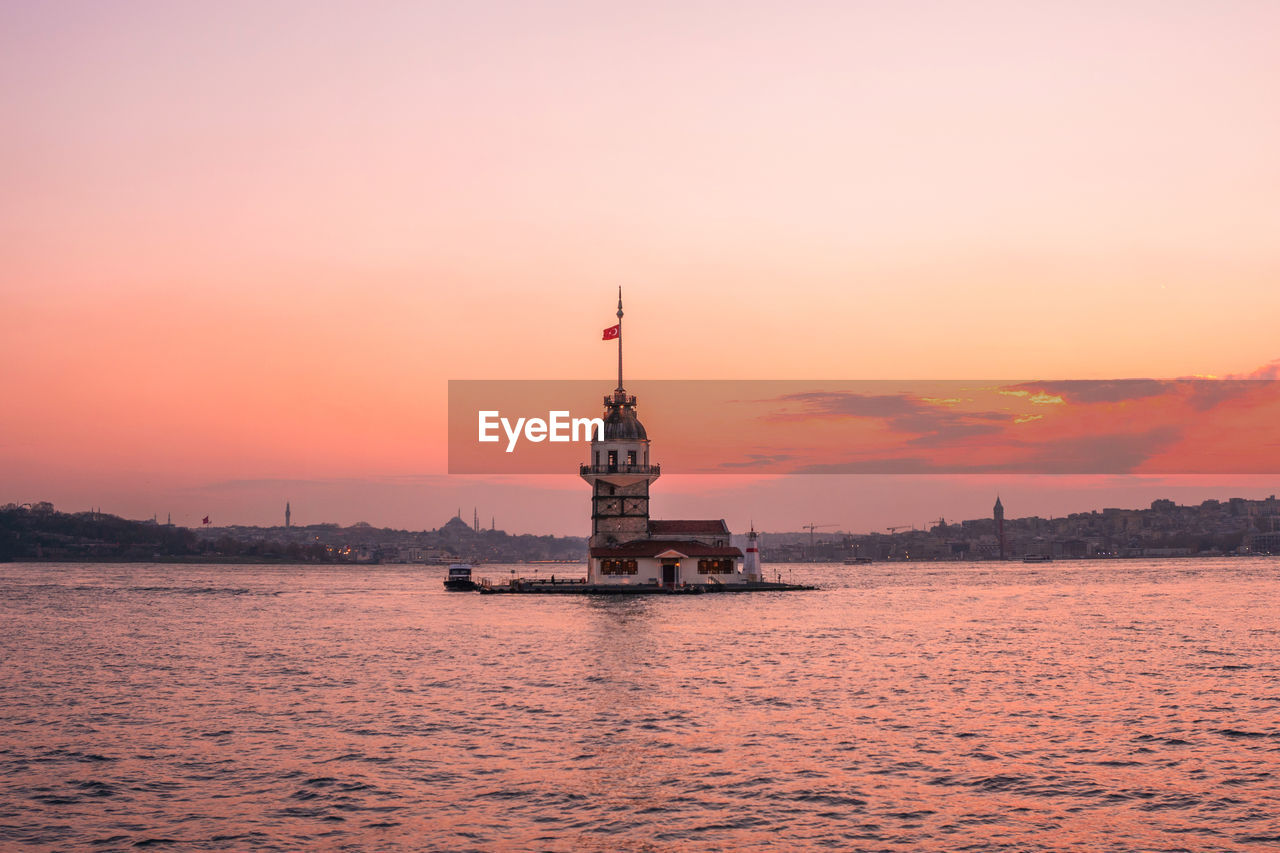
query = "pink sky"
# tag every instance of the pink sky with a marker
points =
(244, 247)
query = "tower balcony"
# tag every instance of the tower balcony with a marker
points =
(643, 470)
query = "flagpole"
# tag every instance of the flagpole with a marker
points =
(620, 339)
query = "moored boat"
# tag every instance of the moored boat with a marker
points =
(459, 578)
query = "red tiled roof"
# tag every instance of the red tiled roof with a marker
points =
(675, 527)
(654, 547)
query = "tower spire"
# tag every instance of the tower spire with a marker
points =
(620, 389)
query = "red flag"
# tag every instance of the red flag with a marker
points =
(612, 332)
(206, 519)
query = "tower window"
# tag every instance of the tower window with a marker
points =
(631, 457)
(613, 460)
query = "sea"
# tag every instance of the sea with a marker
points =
(1077, 705)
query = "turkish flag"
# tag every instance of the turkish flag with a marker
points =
(206, 519)
(612, 332)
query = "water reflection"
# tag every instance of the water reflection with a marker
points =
(1129, 705)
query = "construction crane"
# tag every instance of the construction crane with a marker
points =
(811, 528)
(901, 527)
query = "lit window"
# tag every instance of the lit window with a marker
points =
(618, 567)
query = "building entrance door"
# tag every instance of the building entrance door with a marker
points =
(670, 574)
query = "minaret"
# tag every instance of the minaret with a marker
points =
(619, 471)
(288, 514)
(999, 516)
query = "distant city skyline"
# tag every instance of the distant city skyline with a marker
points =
(868, 503)
(247, 247)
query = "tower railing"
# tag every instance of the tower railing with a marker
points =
(620, 469)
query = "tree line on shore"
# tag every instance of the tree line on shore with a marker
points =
(39, 532)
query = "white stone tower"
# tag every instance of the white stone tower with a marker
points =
(619, 471)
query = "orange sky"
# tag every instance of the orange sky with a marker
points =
(244, 248)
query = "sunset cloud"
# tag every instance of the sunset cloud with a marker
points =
(1084, 427)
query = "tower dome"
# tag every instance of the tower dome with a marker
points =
(620, 421)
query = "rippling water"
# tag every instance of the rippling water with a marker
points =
(1075, 705)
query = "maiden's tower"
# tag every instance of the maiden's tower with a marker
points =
(629, 552)
(627, 547)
